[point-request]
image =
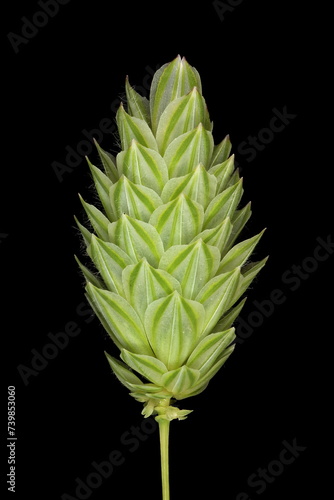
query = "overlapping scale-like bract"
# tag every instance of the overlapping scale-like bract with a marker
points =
(163, 242)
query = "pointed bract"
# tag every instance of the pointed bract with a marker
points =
(137, 238)
(221, 152)
(192, 265)
(170, 82)
(143, 284)
(108, 162)
(103, 185)
(178, 221)
(185, 152)
(181, 116)
(130, 128)
(138, 105)
(173, 325)
(122, 318)
(143, 166)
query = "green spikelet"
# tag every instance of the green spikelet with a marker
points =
(164, 245)
(170, 275)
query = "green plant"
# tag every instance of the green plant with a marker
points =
(170, 273)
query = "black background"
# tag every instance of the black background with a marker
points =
(262, 55)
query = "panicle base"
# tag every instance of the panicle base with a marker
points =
(163, 409)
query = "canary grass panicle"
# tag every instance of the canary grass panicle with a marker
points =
(170, 273)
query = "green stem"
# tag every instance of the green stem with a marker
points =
(166, 413)
(164, 447)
